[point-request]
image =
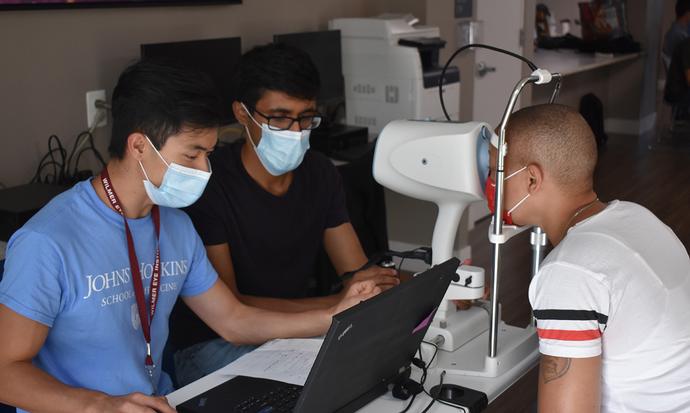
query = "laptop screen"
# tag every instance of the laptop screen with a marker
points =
(365, 349)
(368, 345)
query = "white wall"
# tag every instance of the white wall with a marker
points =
(49, 59)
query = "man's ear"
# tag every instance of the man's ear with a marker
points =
(137, 145)
(240, 114)
(535, 175)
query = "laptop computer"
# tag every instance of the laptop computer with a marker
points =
(366, 348)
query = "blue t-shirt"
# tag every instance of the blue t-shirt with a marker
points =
(68, 268)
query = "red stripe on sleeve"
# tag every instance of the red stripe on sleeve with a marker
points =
(569, 335)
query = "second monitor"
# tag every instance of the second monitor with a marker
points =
(324, 49)
(215, 57)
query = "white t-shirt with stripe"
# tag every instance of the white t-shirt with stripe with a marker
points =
(619, 285)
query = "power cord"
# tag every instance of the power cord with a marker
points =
(471, 46)
(61, 162)
(419, 362)
(433, 399)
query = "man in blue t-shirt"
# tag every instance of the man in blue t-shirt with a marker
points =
(91, 279)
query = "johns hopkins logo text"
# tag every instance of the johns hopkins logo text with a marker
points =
(116, 287)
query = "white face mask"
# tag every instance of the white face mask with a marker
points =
(279, 151)
(181, 186)
(491, 197)
(511, 210)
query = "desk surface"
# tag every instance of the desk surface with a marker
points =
(569, 62)
(385, 403)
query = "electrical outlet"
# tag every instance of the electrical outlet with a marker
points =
(92, 112)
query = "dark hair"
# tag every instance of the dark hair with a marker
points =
(682, 7)
(160, 99)
(276, 67)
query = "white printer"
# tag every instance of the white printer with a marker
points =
(392, 71)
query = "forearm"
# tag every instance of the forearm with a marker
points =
(294, 305)
(252, 325)
(20, 382)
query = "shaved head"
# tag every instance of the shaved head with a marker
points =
(556, 138)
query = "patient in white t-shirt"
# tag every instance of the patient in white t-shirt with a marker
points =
(612, 299)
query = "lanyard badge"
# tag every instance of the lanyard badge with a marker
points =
(146, 317)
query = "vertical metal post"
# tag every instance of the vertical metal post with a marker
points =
(498, 212)
(538, 241)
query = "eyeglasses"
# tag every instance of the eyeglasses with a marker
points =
(307, 122)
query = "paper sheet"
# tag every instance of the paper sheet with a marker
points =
(288, 361)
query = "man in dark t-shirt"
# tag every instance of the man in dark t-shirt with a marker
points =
(270, 207)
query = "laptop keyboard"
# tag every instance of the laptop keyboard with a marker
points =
(279, 400)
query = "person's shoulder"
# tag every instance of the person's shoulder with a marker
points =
(621, 213)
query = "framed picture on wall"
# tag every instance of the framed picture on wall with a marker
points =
(72, 4)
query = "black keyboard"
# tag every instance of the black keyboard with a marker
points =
(282, 399)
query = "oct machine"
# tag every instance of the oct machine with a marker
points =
(391, 71)
(447, 163)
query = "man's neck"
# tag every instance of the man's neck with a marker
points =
(568, 210)
(276, 185)
(126, 180)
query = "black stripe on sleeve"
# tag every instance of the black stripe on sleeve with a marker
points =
(571, 315)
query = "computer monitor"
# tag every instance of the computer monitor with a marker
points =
(324, 49)
(215, 57)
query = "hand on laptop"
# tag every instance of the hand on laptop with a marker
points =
(132, 403)
(355, 293)
(384, 278)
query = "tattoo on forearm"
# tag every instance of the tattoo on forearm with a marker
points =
(554, 368)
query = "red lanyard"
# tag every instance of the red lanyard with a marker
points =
(146, 318)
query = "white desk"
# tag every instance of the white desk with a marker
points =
(569, 62)
(385, 403)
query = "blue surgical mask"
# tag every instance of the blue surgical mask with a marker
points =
(181, 186)
(279, 151)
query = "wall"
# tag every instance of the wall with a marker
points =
(50, 59)
(440, 13)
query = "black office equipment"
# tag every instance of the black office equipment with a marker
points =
(365, 350)
(18, 204)
(215, 57)
(341, 142)
(324, 49)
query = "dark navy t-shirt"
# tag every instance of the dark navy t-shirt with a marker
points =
(274, 240)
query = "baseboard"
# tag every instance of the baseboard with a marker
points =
(630, 126)
(419, 266)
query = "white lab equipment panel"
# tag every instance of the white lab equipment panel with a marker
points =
(392, 72)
